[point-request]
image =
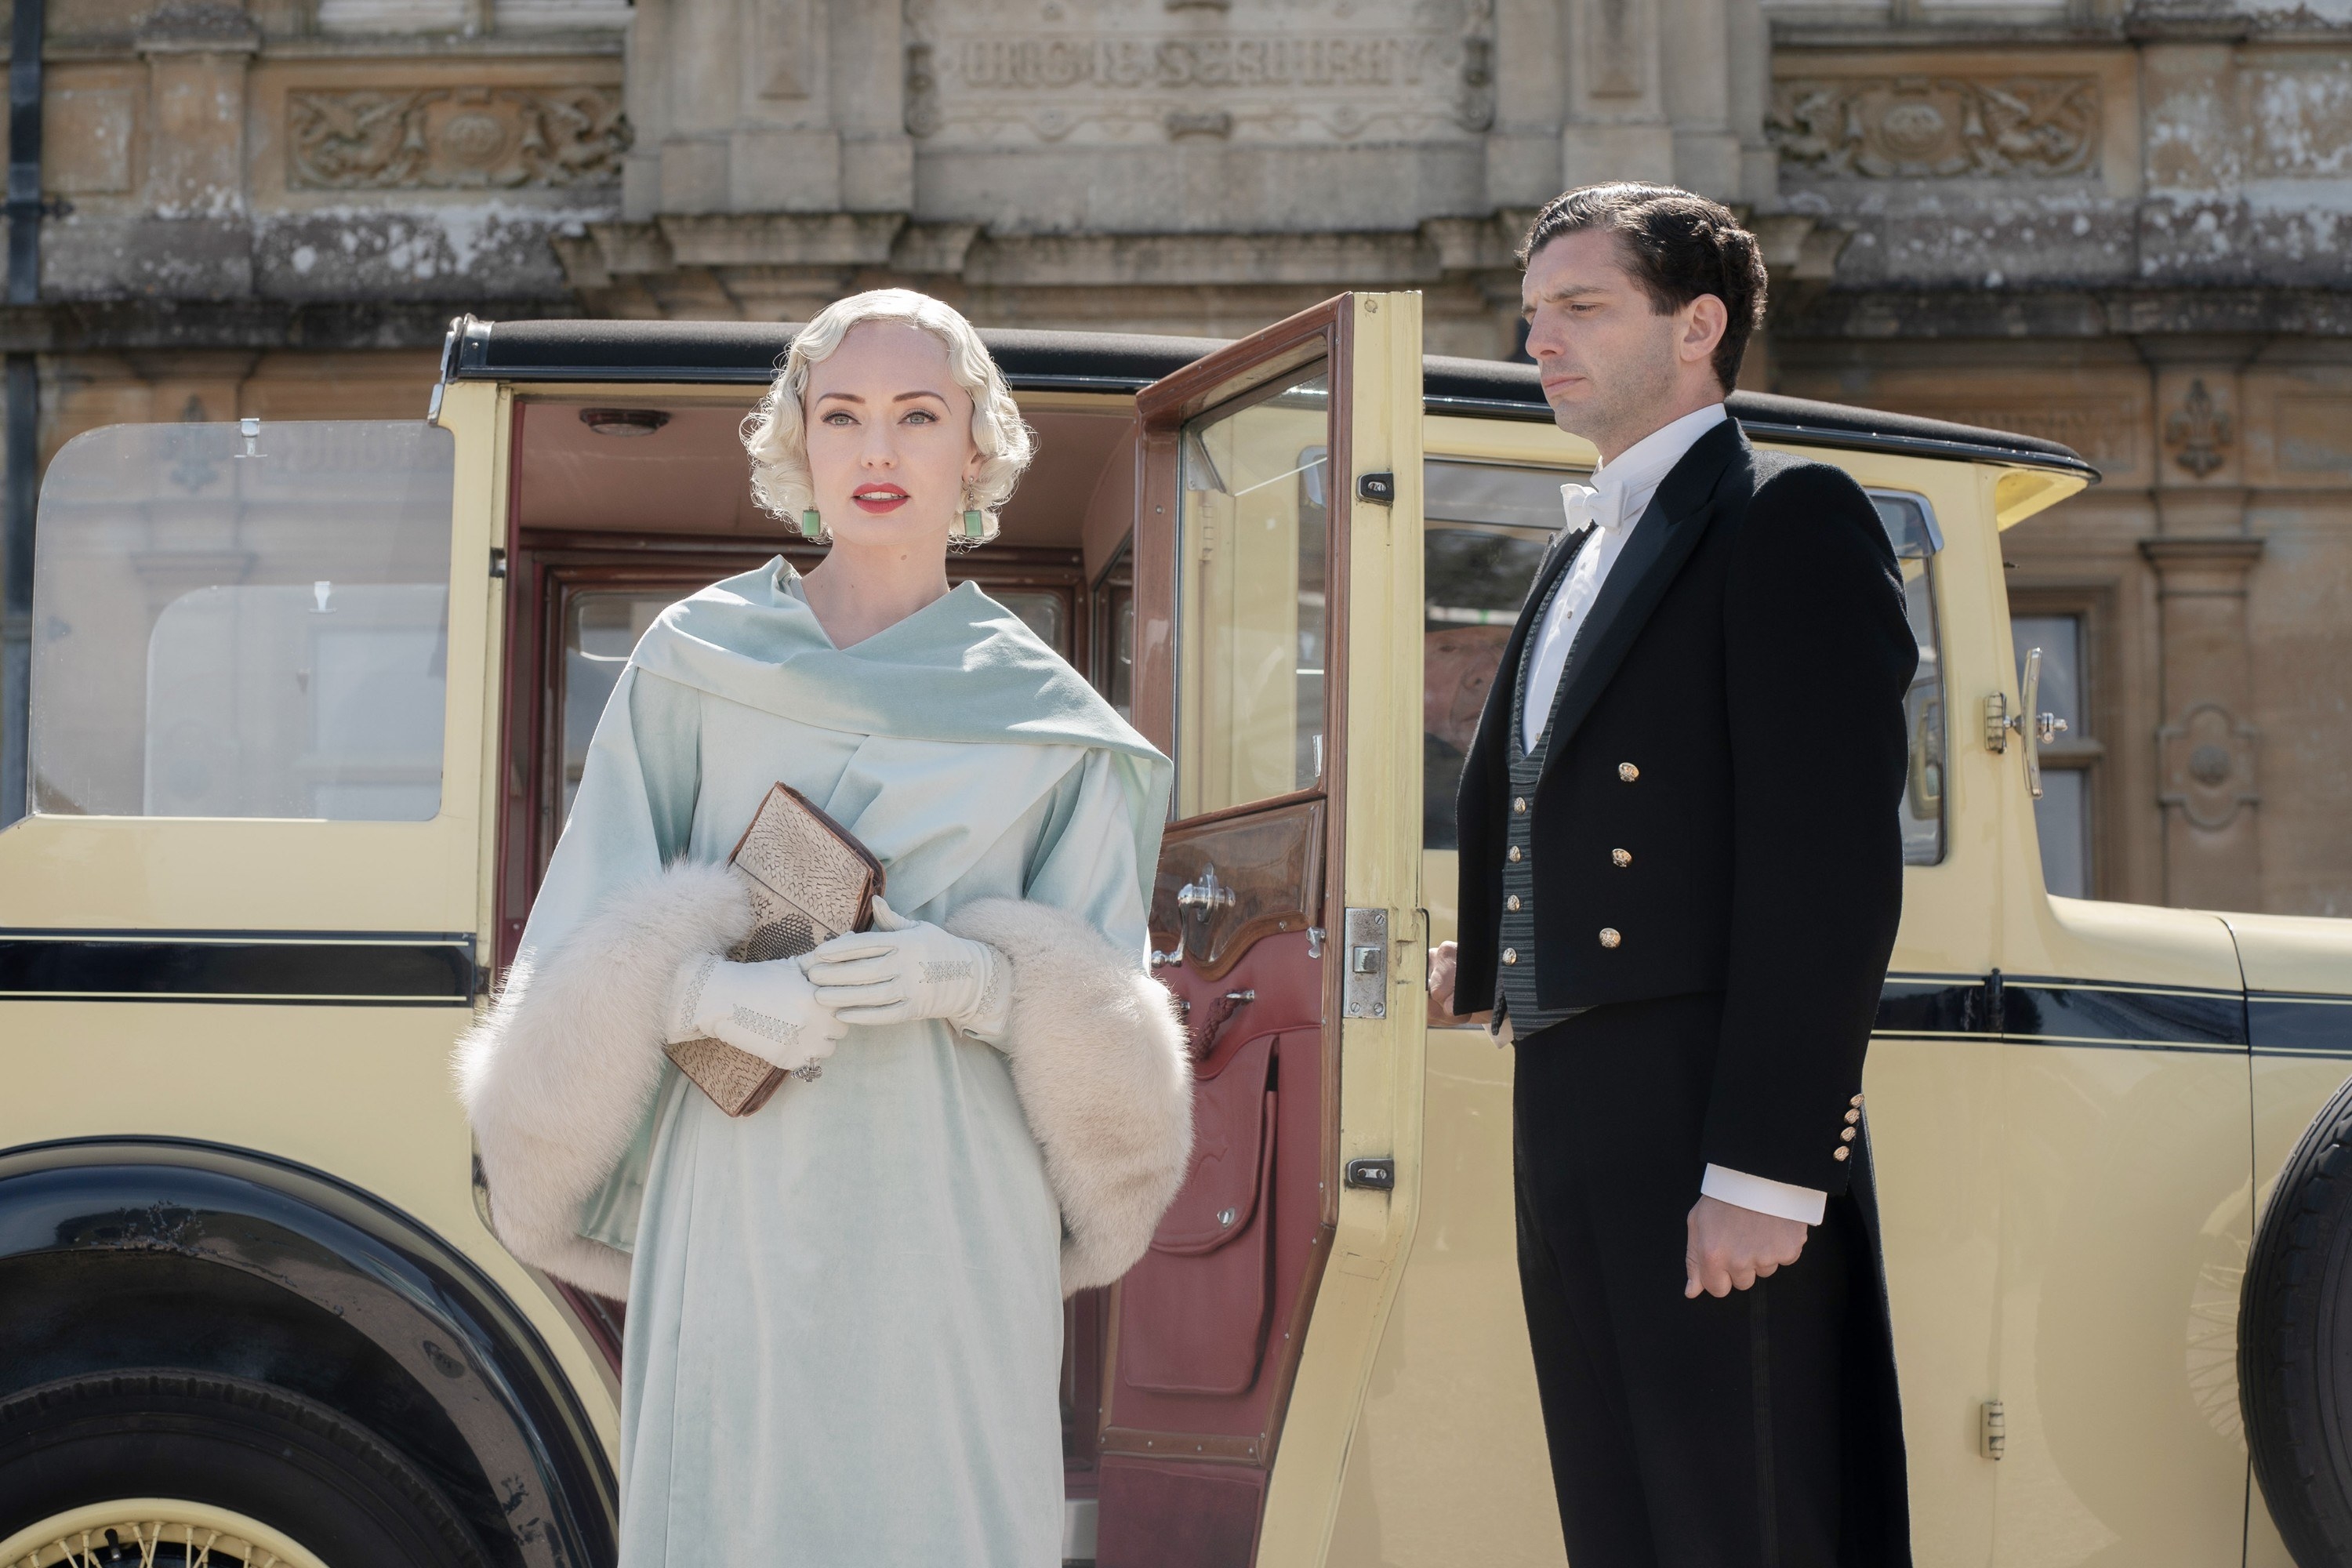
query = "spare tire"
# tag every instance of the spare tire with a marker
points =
(2295, 1345)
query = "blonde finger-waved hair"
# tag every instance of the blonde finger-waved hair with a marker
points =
(776, 433)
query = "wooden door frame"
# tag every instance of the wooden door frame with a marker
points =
(1326, 333)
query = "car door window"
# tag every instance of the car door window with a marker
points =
(1488, 527)
(1911, 527)
(1252, 550)
(243, 621)
(601, 628)
(1489, 524)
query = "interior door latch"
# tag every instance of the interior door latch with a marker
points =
(1378, 1174)
(1364, 987)
(1377, 488)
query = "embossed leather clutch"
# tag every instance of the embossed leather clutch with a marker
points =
(810, 881)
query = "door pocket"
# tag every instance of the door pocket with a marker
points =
(1192, 1314)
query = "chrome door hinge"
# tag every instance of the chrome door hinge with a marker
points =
(1993, 1430)
(1364, 952)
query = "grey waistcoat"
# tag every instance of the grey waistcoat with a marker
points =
(1515, 969)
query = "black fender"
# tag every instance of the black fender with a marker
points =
(165, 1252)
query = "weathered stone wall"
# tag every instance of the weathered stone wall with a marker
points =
(207, 152)
(2122, 225)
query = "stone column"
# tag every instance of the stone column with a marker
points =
(199, 241)
(2207, 749)
(1617, 128)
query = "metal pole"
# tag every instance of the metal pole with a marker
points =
(29, 26)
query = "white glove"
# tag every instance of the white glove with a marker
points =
(768, 1009)
(904, 970)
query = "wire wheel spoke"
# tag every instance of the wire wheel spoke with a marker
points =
(154, 1532)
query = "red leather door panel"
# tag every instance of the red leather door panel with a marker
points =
(1196, 1305)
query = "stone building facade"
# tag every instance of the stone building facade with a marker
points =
(2126, 226)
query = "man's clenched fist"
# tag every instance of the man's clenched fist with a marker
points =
(1730, 1248)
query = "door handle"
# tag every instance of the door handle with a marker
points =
(1205, 896)
(2037, 730)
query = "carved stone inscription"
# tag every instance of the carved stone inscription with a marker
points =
(1937, 127)
(454, 138)
(1138, 71)
(2098, 428)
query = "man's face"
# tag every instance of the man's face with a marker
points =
(1606, 356)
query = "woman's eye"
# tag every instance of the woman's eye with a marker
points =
(921, 417)
(840, 416)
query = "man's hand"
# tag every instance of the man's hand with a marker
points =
(1730, 1248)
(1440, 984)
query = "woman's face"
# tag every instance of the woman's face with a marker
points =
(889, 438)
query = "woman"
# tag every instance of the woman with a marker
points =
(844, 1335)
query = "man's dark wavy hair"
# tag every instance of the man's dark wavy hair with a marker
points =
(1677, 247)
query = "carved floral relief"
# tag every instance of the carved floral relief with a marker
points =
(454, 138)
(1937, 127)
(2199, 434)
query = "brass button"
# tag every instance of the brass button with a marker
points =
(1621, 856)
(1521, 806)
(1628, 772)
(1512, 903)
(1609, 937)
(1510, 955)
(1840, 1152)
(1846, 1136)
(1852, 1116)
(1855, 1102)
(1514, 856)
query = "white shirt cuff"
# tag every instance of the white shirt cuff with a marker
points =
(1803, 1205)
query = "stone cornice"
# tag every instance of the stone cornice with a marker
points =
(1929, 313)
(2195, 565)
(125, 325)
(2164, 25)
(440, 47)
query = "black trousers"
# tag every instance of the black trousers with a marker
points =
(1683, 1433)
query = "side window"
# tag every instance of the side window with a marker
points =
(1113, 642)
(1488, 527)
(1045, 611)
(2062, 817)
(243, 620)
(601, 629)
(1911, 529)
(1251, 596)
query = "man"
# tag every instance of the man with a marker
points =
(1681, 876)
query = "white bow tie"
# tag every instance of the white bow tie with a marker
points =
(1601, 506)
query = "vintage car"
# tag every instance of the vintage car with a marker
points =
(308, 704)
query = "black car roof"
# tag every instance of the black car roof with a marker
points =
(749, 353)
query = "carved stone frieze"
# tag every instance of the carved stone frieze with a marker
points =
(2101, 429)
(1916, 127)
(1138, 71)
(430, 138)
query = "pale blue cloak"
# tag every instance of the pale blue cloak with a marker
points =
(844, 1335)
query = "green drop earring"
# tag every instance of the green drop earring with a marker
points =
(975, 523)
(812, 524)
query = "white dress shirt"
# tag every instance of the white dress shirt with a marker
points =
(1613, 503)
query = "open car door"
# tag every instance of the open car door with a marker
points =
(1277, 549)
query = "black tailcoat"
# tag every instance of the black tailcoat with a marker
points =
(1731, 716)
